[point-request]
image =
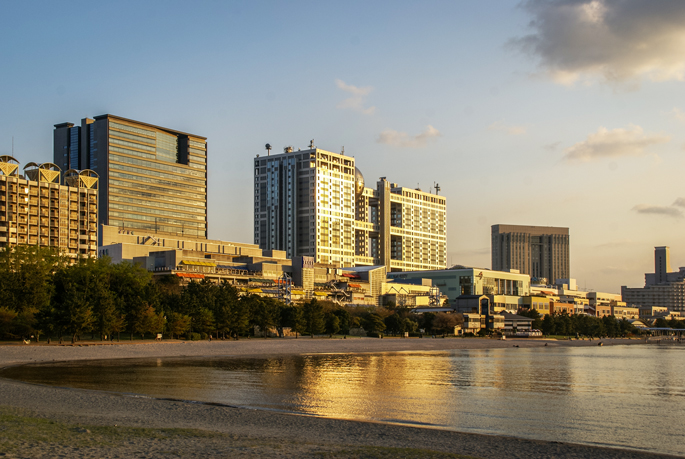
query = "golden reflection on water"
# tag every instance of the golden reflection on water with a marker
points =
(630, 396)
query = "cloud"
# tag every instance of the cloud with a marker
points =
(357, 99)
(658, 210)
(402, 139)
(614, 143)
(615, 40)
(680, 202)
(551, 146)
(509, 129)
(678, 114)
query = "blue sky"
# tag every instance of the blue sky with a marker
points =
(564, 113)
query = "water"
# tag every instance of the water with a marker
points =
(618, 396)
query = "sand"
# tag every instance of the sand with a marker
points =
(41, 421)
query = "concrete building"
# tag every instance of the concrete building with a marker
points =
(663, 287)
(151, 178)
(504, 289)
(314, 203)
(47, 208)
(539, 251)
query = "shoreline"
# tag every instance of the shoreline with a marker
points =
(221, 430)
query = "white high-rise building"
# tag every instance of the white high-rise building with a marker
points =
(314, 203)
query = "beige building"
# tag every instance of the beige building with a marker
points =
(314, 203)
(539, 251)
(47, 208)
(663, 287)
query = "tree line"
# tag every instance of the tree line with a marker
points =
(42, 294)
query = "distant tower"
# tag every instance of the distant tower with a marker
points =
(662, 264)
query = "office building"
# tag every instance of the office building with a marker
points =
(152, 179)
(47, 208)
(314, 203)
(663, 288)
(539, 251)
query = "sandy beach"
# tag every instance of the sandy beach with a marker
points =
(42, 421)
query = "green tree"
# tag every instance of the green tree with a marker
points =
(6, 320)
(313, 317)
(292, 316)
(373, 323)
(445, 323)
(332, 323)
(177, 323)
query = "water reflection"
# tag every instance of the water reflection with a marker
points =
(618, 396)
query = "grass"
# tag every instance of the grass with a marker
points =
(25, 435)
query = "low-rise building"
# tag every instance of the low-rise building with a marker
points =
(620, 310)
(538, 303)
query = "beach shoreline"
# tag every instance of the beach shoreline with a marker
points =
(222, 431)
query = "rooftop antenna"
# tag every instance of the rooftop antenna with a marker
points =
(437, 188)
(268, 149)
(311, 144)
(12, 146)
(343, 150)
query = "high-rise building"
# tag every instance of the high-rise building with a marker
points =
(39, 209)
(314, 203)
(663, 287)
(152, 178)
(539, 251)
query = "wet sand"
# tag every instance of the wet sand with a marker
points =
(82, 421)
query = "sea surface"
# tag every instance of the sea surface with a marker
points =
(617, 396)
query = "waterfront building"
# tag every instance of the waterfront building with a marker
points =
(47, 208)
(152, 178)
(620, 310)
(506, 288)
(663, 287)
(315, 203)
(542, 252)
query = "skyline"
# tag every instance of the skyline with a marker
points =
(571, 120)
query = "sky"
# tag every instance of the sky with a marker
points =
(553, 113)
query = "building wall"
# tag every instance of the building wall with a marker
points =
(152, 179)
(471, 281)
(539, 251)
(313, 203)
(39, 210)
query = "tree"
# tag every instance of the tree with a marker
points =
(445, 322)
(293, 317)
(373, 323)
(6, 321)
(332, 323)
(313, 317)
(177, 323)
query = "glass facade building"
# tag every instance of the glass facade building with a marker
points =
(152, 179)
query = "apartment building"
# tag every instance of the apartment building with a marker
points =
(315, 203)
(152, 179)
(539, 251)
(48, 208)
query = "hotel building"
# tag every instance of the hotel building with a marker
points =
(539, 251)
(39, 209)
(314, 203)
(152, 179)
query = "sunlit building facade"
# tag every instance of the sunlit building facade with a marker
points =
(314, 203)
(47, 208)
(152, 179)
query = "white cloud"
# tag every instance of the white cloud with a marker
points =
(616, 40)
(357, 99)
(678, 114)
(680, 202)
(658, 210)
(614, 143)
(509, 129)
(404, 140)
